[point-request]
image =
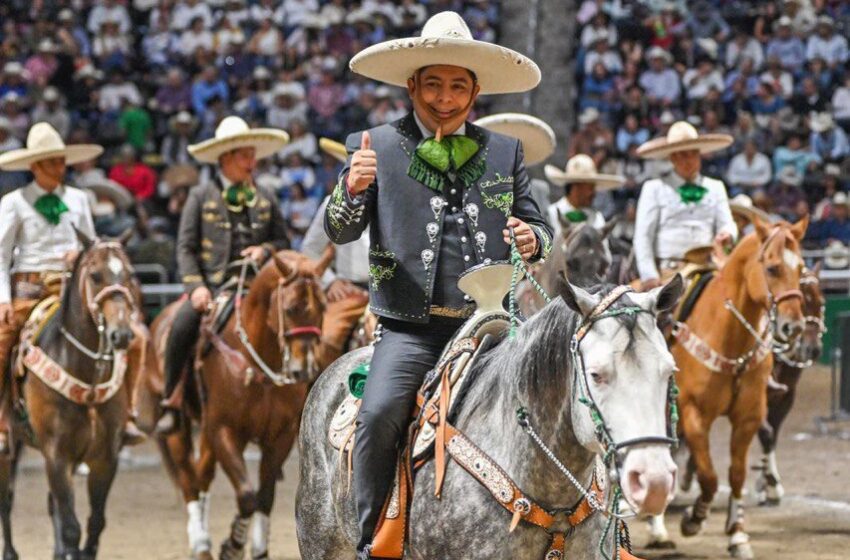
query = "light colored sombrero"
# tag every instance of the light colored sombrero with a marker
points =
(43, 142)
(446, 39)
(742, 205)
(681, 137)
(108, 188)
(233, 133)
(334, 149)
(537, 137)
(581, 169)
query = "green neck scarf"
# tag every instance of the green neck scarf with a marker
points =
(239, 195)
(691, 193)
(432, 160)
(51, 207)
(576, 216)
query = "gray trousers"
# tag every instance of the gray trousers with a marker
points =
(403, 356)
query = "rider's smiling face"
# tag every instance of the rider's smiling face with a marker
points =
(686, 164)
(442, 95)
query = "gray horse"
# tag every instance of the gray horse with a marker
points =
(628, 368)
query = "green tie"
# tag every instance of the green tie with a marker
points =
(239, 195)
(432, 159)
(576, 216)
(691, 193)
(51, 207)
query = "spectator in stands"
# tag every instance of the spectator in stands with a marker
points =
(744, 46)
(602, 53)
(698, 81)
(175, 94)
(71, 35)
(9, 180)
(197, 36)
(302, 141)
(13, 80)
(660, 82)
(109, 10)
(598, 90)
(208, 86)
(750, 169)
(841, 104)
(786, 191)
(828, 142)
(19, 120)
(40, 67)
(786, 46)
(299, 211)
(600, 25)
(50, 110)
(133, 175)
(630, 133)
(593, 132)
(180, 135)
(794, 154)
(781, 80)
(837, 226)
(288, 105)
(766, 105)
(827, 45)
(809, 99)
(705, 22)
(186, 12)
(118, 89)
(136, 124)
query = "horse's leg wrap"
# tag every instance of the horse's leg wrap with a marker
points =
(658, 535)
(769, 484)
(199, 537)
(233, 548)
(260, 536)
(694, 518)
(739, 541)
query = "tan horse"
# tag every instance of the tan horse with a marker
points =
(250, 387)
(724, 356)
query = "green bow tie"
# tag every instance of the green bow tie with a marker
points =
(51, 207)
(576, 216)
(691, 193)
(451, 151)
(239, 195)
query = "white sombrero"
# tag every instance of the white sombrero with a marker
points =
(446, 39)
(334, 149)
(681, 137)
(742, 205)
(581, 169)
(43, 142)
(108, 188)
(537, 137)
(233, 133)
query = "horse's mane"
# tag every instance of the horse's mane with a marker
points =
(538, 358)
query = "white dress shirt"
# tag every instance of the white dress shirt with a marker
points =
(29, 243)
(556, 211)
(666, 227)
(351, 261)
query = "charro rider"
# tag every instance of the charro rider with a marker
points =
(346, 281)
(580, 182)
(682, 210)
(440, 194)
(224, 220)
(38, 242)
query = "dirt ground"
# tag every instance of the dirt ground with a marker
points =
(146, 519)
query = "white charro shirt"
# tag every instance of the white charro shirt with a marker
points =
(351, 261)
(556, 211)
(29, 243)
(666, 227)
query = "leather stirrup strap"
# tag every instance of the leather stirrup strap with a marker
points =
(440, 443)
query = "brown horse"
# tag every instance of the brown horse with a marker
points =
(78, 402)
(787, 369)
(724, 357)
(253, 383)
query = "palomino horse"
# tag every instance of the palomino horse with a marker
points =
(254, 381)
(77, 403)
(725, 361)
(626, 371)
(787, 368)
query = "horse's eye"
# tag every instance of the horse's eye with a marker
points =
(596, 377)
(96, 277)
(774, 270)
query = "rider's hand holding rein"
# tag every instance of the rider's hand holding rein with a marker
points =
(364, 167)
(256, 253)
(526, 240)
(201, 298)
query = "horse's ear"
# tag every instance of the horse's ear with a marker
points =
(84, 239)
(609, 226)
(815, 271)
(283, 267)
(798, 230)
(762, 229)
(576, 299)
(125, 237)
(325, 260)
(667, 296)
(566, 225)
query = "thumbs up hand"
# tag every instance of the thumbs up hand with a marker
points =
(364, 166)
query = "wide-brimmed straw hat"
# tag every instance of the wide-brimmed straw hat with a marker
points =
(742, 205)
(234, 133)
(182, 175)
(821, 122)
(581, 169)
(334, 149)
(537, 137)
(43, 142)
(101, 186)
(682, 137)
(446, 40)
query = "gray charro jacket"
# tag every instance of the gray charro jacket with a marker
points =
(407, 218)
(203, 240)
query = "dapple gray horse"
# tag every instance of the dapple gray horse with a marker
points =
(628, 368)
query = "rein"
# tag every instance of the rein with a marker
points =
(285, 376)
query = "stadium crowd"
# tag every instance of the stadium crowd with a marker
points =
(772, 74)
(146, 78)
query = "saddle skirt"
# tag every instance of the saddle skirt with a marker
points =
(487, 284)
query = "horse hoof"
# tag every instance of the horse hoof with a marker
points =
(690, 526)
(743, 550)
(229, 551)
(10, 555)
(202, 555)
(661, 545)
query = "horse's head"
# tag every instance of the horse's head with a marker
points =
(295, 308)
(587, 257)
(811, 342)
(107, 288)
(773, 277)
(622, 388)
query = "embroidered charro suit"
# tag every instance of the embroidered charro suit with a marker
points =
(205, 241)
(422, 238)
